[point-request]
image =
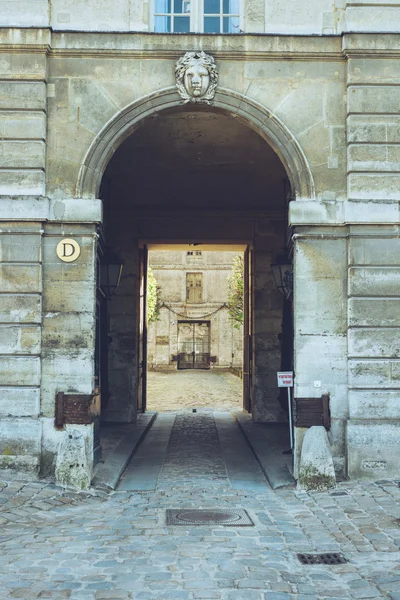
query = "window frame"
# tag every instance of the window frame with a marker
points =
(196, 19)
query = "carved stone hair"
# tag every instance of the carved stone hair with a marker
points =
(187, 61)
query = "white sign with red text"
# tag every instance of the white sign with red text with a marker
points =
(285, 378)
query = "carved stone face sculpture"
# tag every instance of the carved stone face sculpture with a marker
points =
(196, 77)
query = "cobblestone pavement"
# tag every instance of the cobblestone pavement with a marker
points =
(179, 390)
(57, 544)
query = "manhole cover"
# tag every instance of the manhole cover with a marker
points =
(329, 558)
(208, 517)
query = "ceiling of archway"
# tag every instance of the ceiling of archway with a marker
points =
(195, 158)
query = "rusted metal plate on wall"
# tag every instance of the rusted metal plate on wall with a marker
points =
(312, 411)
(76, 409)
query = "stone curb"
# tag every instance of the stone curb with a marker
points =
(272, 465)
(109, 473)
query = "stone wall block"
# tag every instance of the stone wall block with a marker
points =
(374, 99)
(373, 450)
(321, 357)
(372, 71)
(68, 296)
(374, 404)
(17, 278)
(374, 281)
(22, 66)
(18, 154)
(376, 18)
(24, 13)
(374, 186)
(68, 330)
(375, 251)
(19, 308)
(19, 339)
(65, 371)
(374, 343)
(374, 157)
(20, 436)
(20, 248)
(19, 402)
(28, 182)
(22, 125)
(374, 312)
(22, 95)
(18, 370)
(374, 129)
(370, 373)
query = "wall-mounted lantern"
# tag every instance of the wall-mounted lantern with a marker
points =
(282, 270)
(110, 274)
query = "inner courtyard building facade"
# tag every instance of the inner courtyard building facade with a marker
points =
(265, 126)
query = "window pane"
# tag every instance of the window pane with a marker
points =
(231, 7)
(211, 25)
(162, 6)
(181, 24)
(212, 7)
(181, 6)
(231, 25)
(162, 24)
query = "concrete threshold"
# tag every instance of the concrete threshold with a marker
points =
(119, 442)
(268, 441)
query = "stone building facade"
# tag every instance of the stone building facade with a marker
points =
(193, 329)
(297, 148)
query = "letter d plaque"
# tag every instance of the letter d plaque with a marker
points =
(68, 250)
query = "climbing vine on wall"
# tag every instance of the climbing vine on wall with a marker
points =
(236, 292)
(153, 298)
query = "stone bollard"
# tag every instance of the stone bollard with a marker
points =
(316, 470)
(72, 466)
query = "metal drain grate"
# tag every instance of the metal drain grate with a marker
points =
(329, 558)
(231, 518)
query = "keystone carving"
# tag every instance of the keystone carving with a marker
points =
(196, 77)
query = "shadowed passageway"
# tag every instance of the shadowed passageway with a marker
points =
(197, 451)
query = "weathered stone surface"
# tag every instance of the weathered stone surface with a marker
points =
(374, 373)
(19, 402)
(374, 186)
(17, 278)
(22, 154)
(65, 370)
(22, 95)
(316, 470)
(28, 182)
(20, 308)
(374, 312)
(374, 404)
(73, 468)
(24, 13)
(20, 436)
(20, 339)
(19, 370)
(20, 248)
(23, 125)
(374, 281)
(374, 129)
(374, 342)
(375, 251)
(373, 449)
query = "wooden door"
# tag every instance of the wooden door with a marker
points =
(248, 337)
(142, 350)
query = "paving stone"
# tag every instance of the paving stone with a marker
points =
(60, 544)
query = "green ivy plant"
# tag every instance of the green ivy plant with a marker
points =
(154, 301)
(236, 292)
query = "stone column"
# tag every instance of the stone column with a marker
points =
(320, 327)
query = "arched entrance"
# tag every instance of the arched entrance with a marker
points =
(220, 175)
